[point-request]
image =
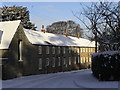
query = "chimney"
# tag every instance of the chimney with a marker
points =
(65, 32)
(43, 29)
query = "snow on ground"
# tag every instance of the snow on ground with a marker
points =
(73, 79)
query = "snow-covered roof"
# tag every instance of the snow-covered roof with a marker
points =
(37, 37)
(8, 30)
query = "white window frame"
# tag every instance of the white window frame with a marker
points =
(20, 51)
(74, 60)
(59, 61)
(69, 51)
(78, 50)
(64, 61)
(66, 65)
(1, 33)
(40, 63)
(81, 59)
(69, 60)
(53, 62)
(59, 50)
(86, 49)
(64, 50)
(39, 49)
(75, 50)
(87, 60)
(47, 61)
(78, 59)
(81, 50)
(91, 50)
(53, 50)
(47, 50)
(90, 59)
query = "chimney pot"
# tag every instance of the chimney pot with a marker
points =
(43, 29)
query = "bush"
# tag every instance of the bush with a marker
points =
(106, 65)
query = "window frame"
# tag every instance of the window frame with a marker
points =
(59, 50)
(64, 50)
(78, 59)
(1, 34)
(20, 54)
(39, 49)
(75, 60)
(40, 63)
(69, 50)
(81, 60)
(70, 61)
(47, 61)
(53, 62)
(64, 61)
(59, 61)
(47, 50)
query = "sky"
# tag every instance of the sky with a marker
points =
(45, 13)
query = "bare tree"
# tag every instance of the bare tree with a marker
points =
(104, 18)
(68, 27)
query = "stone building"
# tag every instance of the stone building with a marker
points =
(27, 52)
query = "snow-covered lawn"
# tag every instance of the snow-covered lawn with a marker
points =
(73, 79)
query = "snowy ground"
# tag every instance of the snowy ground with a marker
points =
(73, 79)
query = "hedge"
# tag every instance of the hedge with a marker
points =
(106, 65)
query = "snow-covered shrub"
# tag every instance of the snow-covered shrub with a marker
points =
(106, 65)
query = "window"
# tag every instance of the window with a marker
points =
(66, 65)
(74, 60)
(69, 50)
(75, 50)
(1, 33)
(81, 50)
(58, 50)
(69, 60)
(78, 59)
(53, 62)
(81, 60)
(59, 61)
(40, 63)
(87, 59)
(86, 49)
(47, 50)
(20, 50)
(47, 61)
(64, 50)
(40, 50)
(89, 49)
(78, 51)
(64, 61)
(53, 50)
